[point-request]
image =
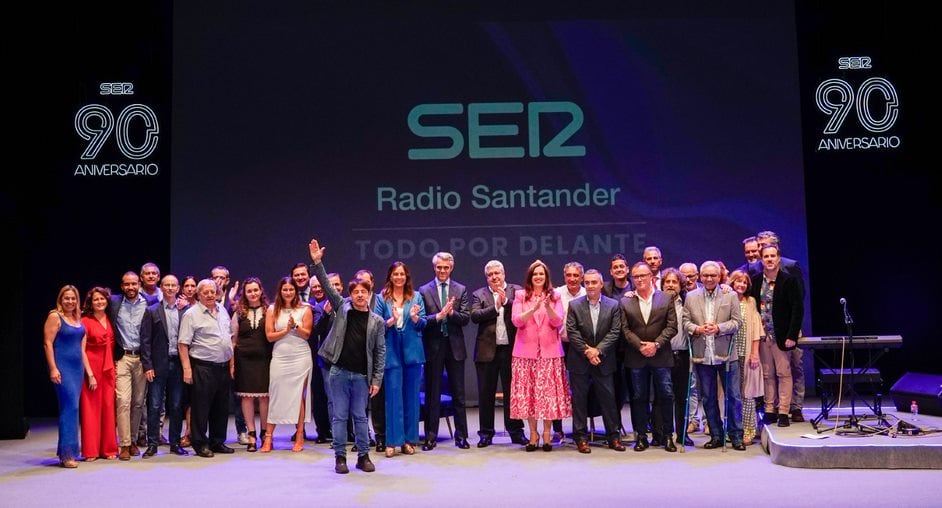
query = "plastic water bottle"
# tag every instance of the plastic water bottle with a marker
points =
(914, 409)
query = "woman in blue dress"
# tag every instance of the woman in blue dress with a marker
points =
(64, 345)
(403, 310)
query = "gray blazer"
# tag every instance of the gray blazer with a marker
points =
(375, 332)
(728, 318)
(580, 334)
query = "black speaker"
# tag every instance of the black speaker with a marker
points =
(925, 389)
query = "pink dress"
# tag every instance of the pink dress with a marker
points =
(539, 387)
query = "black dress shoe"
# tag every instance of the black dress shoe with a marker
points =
(204, 452)
(797, 417)
(221, 448)
(372, 442)
(429, 444)
(150, 451)
(485, 442)
(178, 450)
(519, 439)
(641, 444)
(380, 445)
(783, 421)
(770, 417)
(713, 443)
(462, 443)
(656, 441)
(739, 446)
(688, 441)
(669, 446)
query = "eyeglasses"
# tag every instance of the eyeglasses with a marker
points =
(640, 277)
(691, 276)
(709, 276)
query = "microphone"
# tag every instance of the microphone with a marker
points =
(847, 319)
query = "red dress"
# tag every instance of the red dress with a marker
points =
(96, 408)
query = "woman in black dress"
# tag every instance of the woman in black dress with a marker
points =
(252, 355)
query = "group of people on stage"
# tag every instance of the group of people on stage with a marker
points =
(570, 351)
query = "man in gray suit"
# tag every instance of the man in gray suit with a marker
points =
(593, 325)
(648, 323)
(711, 319)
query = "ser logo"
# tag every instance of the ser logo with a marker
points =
(875, 104)
(477, 129)
(853, 63)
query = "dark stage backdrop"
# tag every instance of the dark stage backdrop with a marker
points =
(515, 139)
(287, 121)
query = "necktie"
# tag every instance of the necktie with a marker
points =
(444, 300)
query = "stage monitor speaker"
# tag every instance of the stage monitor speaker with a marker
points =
(925, 389)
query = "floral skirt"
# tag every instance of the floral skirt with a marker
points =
(539, 388)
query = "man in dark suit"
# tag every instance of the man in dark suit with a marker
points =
(649, 322)
(447, 308)
(593, 326)
(491, 307)
(161, 362)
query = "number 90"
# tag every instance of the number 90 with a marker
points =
(98, 134)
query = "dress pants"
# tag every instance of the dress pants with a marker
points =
(679, 379)
(166, 391)
(435, 365)
(209, 403)
(777, 376)
(795, 360)
(402, 385)
(604, 388)
(319, 411)
(130, 386)
(488, 373)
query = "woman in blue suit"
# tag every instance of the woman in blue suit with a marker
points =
(403, 310)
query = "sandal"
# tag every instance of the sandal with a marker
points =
(252, 441)
(266, 445)
(390, 452)
(69, 463)
(91, 459)
(185, 441)
(298, 445)
(408, 449)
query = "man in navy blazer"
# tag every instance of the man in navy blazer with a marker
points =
(491, 308)
(649, 322)
(161, 363)
(593, 326)
(447, 308)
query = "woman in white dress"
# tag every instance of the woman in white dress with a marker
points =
(288, 325)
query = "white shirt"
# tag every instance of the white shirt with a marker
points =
(501, 329)
(566, 297)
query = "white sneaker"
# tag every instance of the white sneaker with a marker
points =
(243, 438)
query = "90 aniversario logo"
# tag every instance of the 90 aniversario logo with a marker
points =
(872, 102)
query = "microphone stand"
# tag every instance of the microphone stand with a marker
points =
(853, 422)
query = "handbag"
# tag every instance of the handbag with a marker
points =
(753, 385)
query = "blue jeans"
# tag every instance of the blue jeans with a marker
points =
(707, 375)
(349, 395)
(640, 398)
(169, 388)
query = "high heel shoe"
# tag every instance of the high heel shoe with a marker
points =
(547, 444)
(298, 444)
(252, 442)
(266, 444)
(533, 444)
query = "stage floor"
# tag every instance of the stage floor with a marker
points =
(502, 473)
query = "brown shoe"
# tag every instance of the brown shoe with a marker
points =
(615, 444)
(583, 446)
(797, 417)
(124, 454)
(134, 450)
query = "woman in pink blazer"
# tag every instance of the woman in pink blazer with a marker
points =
(539, 388)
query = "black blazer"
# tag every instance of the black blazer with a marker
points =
(661, 328)
(484, 314)
(580, 334)
(788, 305)
(432, 335)
(154, 340)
